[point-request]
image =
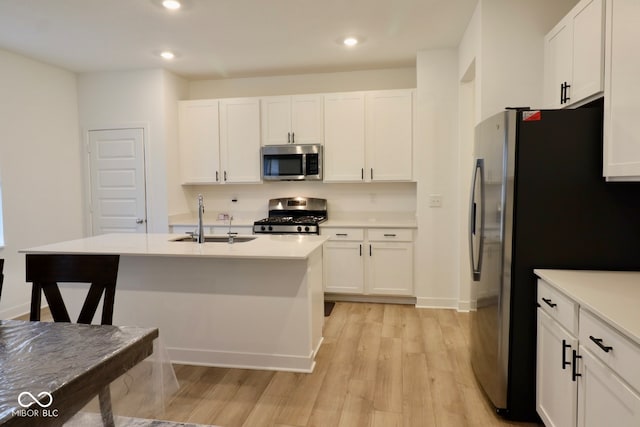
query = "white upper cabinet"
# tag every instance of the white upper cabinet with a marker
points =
(219, 141)
(389, 135)
(199, 142)
(574, 56)
(344, 143)
(622, 92)
(292, 120)
(240, 140)
(368, 136)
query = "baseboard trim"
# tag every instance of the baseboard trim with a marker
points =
(370, 298)
(437, 303)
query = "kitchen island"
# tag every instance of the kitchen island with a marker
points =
(253, 304)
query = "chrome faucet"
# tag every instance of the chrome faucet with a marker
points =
(230, 234)
(200, 236)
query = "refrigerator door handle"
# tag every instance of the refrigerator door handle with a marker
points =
(474, 233)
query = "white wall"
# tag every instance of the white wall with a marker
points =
(342, 198)
(505, 38)
(41, 166)
(139, 98)
(437, 172)
(395, 78)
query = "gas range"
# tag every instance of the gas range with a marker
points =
(293, 215)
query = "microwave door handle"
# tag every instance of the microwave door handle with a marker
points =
(304, 165)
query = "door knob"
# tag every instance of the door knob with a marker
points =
(140, 221)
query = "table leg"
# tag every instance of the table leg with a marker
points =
(104, 397)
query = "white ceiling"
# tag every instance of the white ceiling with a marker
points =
(231, 38)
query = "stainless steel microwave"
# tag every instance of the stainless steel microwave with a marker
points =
(292, 162)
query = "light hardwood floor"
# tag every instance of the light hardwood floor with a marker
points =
(380, 365)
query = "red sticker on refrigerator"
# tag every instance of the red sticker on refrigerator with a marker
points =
(531, 116)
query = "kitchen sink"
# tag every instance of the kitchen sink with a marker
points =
(215, 239)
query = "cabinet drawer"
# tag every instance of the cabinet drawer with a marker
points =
(346, 234)
(615, 350)
(558, 306)
(390, 235)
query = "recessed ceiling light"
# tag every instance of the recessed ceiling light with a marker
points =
(350, 41)
(166, 54)
(171, 4)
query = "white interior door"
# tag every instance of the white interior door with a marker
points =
(118, 198)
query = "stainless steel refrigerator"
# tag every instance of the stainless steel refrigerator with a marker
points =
(538, 200)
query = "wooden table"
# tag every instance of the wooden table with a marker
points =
(49, 371)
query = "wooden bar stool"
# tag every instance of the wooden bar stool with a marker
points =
(44, 271)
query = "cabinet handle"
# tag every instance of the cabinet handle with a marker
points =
(598, 341)
(342, 234)
(362, 174)
(566, 92)
(225, 176)
(565, 346)
(288, 137)
(370, 250)
(217, 176)
(574, 369)
(293, 137)
(360, 250)
(549, 303)
(371, 173)
(389, 235)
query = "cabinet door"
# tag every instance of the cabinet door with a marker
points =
(344, 137)
(621, 93)
(556, 392)
(557, 52)
(240, 140)
(276, 120)
(198, 141)
(389, 136)
(588, 51)
(306, 119)
(343, 267)
(390, 268)
(604, 399)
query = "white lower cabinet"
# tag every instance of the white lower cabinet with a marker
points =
(604, 399)
(368, 262)
(587, 372)
(556, 391)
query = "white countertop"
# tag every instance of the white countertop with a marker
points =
(372, 220)
(614, 296)
(265, 246)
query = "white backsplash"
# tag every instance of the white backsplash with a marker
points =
(252, 199)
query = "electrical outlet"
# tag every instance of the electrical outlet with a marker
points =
(223, 216)
(435, 200)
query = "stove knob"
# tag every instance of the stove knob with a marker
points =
(262, 228)
(306, 229)
(300, 229)
(270, 228)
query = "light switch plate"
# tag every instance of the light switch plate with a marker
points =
(435, 200)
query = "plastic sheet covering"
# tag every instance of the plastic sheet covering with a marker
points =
(43, 370)
(141, 392)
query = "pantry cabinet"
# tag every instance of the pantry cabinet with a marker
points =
(622, 92)
(219, 141)
(368, 261)
(292, 120)
(368, 136)
(574, 56)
